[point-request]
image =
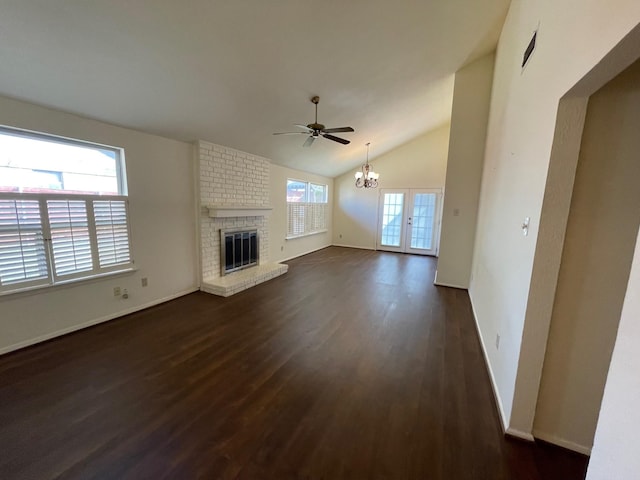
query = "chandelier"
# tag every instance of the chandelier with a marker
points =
(367, 178)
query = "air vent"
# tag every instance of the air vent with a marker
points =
(530, 48)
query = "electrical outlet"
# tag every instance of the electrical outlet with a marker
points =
(116, 291)
(144, 281)
(125, 294)
(497, 341)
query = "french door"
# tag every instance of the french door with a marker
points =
(409, 220)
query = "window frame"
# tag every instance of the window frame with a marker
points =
(309, 212)
(121, 171)
(115, 235)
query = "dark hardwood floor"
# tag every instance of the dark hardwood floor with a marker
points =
(351, 366)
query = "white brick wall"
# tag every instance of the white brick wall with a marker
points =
(229, 177)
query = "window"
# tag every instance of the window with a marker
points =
(63, 210)
(306, 208)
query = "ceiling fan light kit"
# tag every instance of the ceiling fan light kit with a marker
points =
(367, 178)
(315, 130)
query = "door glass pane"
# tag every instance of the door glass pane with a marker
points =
(392, 219)
(424, 210)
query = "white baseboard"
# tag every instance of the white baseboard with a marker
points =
(352, 246)
(304, 253)
(561, 442)
(494, 385)
(438, 283)
(90, 323)
(519, 434)
(449, 285)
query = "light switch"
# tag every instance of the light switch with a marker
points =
(525, 227)
(456, 212)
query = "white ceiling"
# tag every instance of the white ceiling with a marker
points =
(233, 72)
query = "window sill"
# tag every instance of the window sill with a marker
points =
(64, 284)
(293, 237)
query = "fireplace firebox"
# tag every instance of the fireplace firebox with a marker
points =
(239, 249)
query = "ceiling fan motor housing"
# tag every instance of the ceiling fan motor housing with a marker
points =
(316, 129)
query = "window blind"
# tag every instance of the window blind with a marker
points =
(112, 232)
(23, 256)
(45, 239)
(70, 239)
(305, 218)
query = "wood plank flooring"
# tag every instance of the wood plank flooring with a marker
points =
(351, 366)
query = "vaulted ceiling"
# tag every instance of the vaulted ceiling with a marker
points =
(233, 72)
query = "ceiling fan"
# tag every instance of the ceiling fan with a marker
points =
(315, 130)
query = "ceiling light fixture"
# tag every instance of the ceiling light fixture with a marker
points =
(367, 178)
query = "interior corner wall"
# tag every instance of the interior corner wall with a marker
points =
(419, 163)
(282, 249)
(615, 449)
(467, 139)
(592, 281)
(522, 119)
(163, 232)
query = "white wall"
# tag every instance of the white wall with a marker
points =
(598, 249)
(162, 215)
(420, 163)
(279, 248)
(615, 449)
(469, 119)
(572, 38)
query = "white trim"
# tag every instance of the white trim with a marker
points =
(121, 171)
(72, 282)
(449, 285)
(197, 208)
(221, 211)
(494, 385)
(352, 246)
(303, 254)
(519, 434)
(90, 323)
(315, 232)
(444, 284)
(561, 442)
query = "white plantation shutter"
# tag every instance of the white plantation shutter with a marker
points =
(112, 232)
(318, 217)
(67, 222)
(295, 220)
(306, 218)
(70, 237)
(23, 256)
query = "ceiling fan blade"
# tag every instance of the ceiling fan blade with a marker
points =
(290, 133)
(304, 127)
(336, 139)
(339, 129)
(309, 141)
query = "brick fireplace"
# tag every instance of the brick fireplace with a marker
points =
(234, 196)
